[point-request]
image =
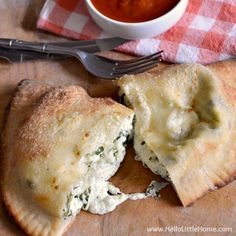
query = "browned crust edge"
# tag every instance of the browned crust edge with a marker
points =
(217, 185)
(5, 199)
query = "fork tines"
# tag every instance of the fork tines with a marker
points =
(138, 65)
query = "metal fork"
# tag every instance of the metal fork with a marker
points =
(96, 65)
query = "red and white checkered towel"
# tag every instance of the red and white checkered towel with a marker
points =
(206, 32)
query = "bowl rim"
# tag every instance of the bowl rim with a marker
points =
(135, 23)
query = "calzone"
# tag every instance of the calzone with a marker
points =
(185, 124)
(59, 147)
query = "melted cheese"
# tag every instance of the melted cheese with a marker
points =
(99, 196)
(101, 164)
(176, 112)
(180, 123)
(148, 157)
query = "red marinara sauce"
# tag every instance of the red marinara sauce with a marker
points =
(134, 10)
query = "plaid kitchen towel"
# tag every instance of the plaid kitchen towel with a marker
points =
(206, 32)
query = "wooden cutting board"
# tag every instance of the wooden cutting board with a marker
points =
(217, 209)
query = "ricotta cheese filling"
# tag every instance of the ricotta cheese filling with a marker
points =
(143, 152)
(102, 197)
(148, 157)
(94, 193)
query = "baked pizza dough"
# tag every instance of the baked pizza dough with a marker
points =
(60, 146)
(185, 125)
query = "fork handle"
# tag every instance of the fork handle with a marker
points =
(37, 47)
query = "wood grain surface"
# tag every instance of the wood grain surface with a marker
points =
(217, 209)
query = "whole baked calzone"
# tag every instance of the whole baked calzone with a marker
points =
(185, 125)
(60, 147)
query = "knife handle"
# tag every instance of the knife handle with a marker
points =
(38, 47)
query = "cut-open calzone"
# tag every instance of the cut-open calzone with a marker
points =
(185, 125)
(60, 147)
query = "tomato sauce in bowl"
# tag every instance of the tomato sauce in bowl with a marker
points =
(134, 11)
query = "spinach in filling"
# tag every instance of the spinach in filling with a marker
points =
(82, 201)
(76, 201)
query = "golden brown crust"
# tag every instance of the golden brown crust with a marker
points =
(34, 109)
(49, 110)
(27, 93)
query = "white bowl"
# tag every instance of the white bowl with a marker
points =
(140, 30)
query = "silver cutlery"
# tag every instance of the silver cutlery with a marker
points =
(96, 65)
(91, 46)
(13, 56)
